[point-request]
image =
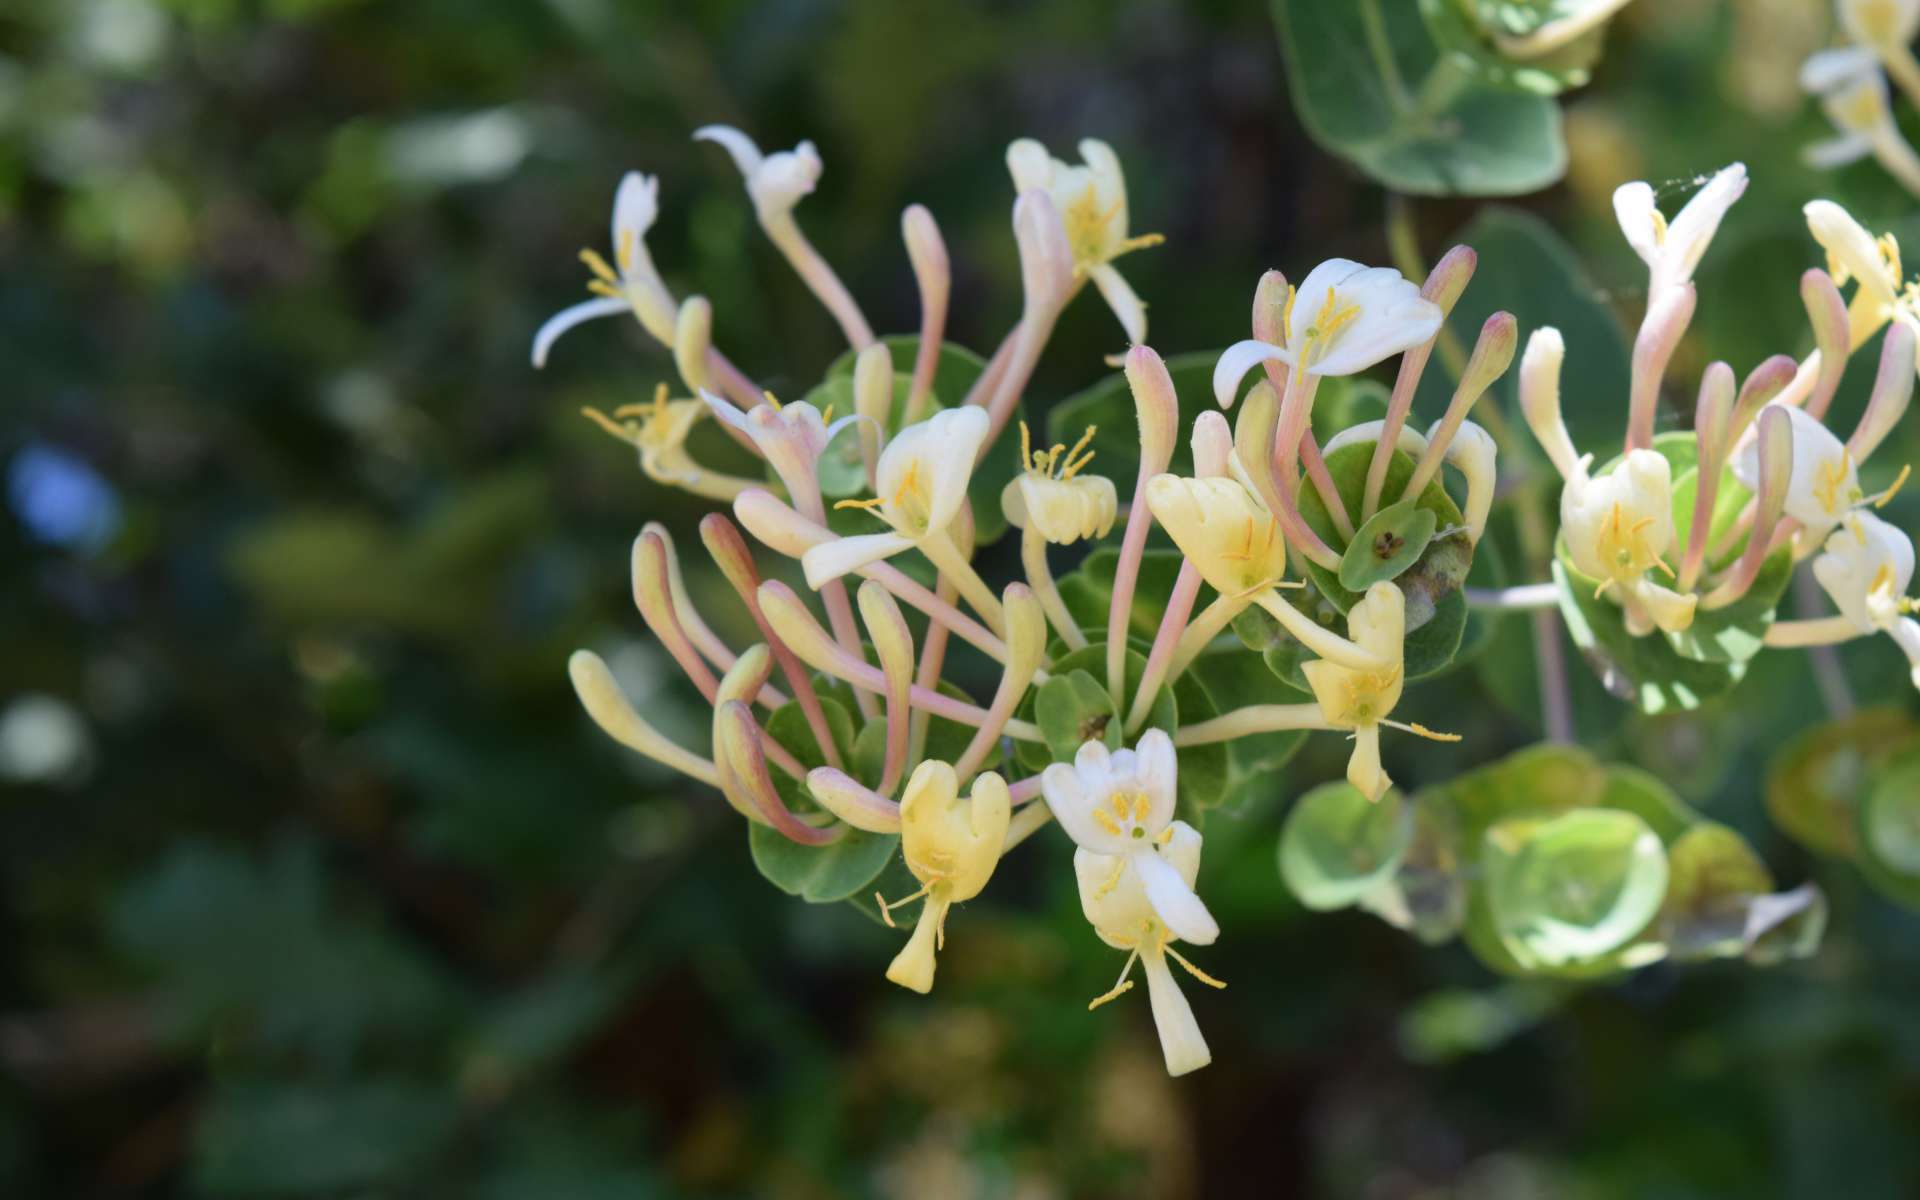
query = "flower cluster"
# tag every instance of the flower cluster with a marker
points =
(1339, 553)
(1770, 483)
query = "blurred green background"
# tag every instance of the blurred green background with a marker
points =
(316, 881)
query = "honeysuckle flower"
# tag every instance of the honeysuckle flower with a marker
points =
(791, 437)
(1853, 92)
(632, 284)
(1825, 484)
(1344, 318)
(1055, 498)
(1866, 567)
(1361, 700)
(1672, 250)
(1116, 902)
(1092, 202)
(1617, 527)
(776, 183)
(952, 847)
(1237, 547)
(1120, 804)
(922, 476)
(659, 431)
(1871, 264)
(1473, 453)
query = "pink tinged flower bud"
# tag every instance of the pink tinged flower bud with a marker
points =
(692, 338)
(1212, 444)
(653, 596)
(744, 766)
(1157, 407)
(1762, 387)
(852, 801)
(1776, 471)
(1832, 339)
(601, 696)
(927, 251)
(1026, 647)
(1713, 439)
(1892, 391)
(1668, 316)
(1540, 399)
(1444, 286)
(1492, 355)
(873, 401)
(1046, 260)
(1270, 309)
(893, 646)
(775, 525)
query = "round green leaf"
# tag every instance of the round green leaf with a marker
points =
(1073, 708)
(1573, 887)
(820, 874)
(1889, 830)
(1389, 543)
(1337, 845)
(1816, 784)
(1370, 86)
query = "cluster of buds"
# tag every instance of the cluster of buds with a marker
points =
(1850, 82)
(1768, 477)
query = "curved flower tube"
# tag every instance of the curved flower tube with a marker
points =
(1092, 202)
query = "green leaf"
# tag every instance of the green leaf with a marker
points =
(1644, 671)
(1468, 27)
(1574, 887)
(1337, 845)
(1073, 708)
(1738, 632)
(1889, 830)
(1414, 119)
(1441, 566)
(1816, 784)
(1088, 593)
(1713, 876)
(1528, 269)
(1092, 661)
(1386, 545)
(820, 874)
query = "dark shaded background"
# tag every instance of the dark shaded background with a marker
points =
(317, 883)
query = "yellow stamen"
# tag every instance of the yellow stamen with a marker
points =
(1166, 835)
(623, 254)
(1072, 466)
(1286, 312)
(1832, 473)
(1026, 447)
(1106, 822)
(1659, 228)
(1119, 868)
(1141, 807)
(1893, 488)
(600, 287)
(869, 504)
(1419, 730)
(626, 433)
(1192, 970)
(772, 399)
(886, 908)
(599, 267)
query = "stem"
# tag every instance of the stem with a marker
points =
(1033, 554)
(1528, 597)
(1025, 823)
(813, 270)
(1556, 696)
(910, 592)
(1254, 718)
(933, 656)
(1812, 631)
(1315, 637)
(943, 554)
(1202, 630)
(1322, 479)
(1126, 572)
(1172, 623)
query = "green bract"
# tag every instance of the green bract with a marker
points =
(1337, 846)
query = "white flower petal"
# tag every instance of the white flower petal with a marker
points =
(830, 560)
(635, 206)
(1410, 442)
(1181, 1045)
(567, 318)
(1174, 900)
(1071, 802)
(1157, 768)
(1830, 154)
(1121, 298)
(1826, 70)
(1030, 165)
(745, 154)
(1236, 360)
(1634, 208)
(1693, 229)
